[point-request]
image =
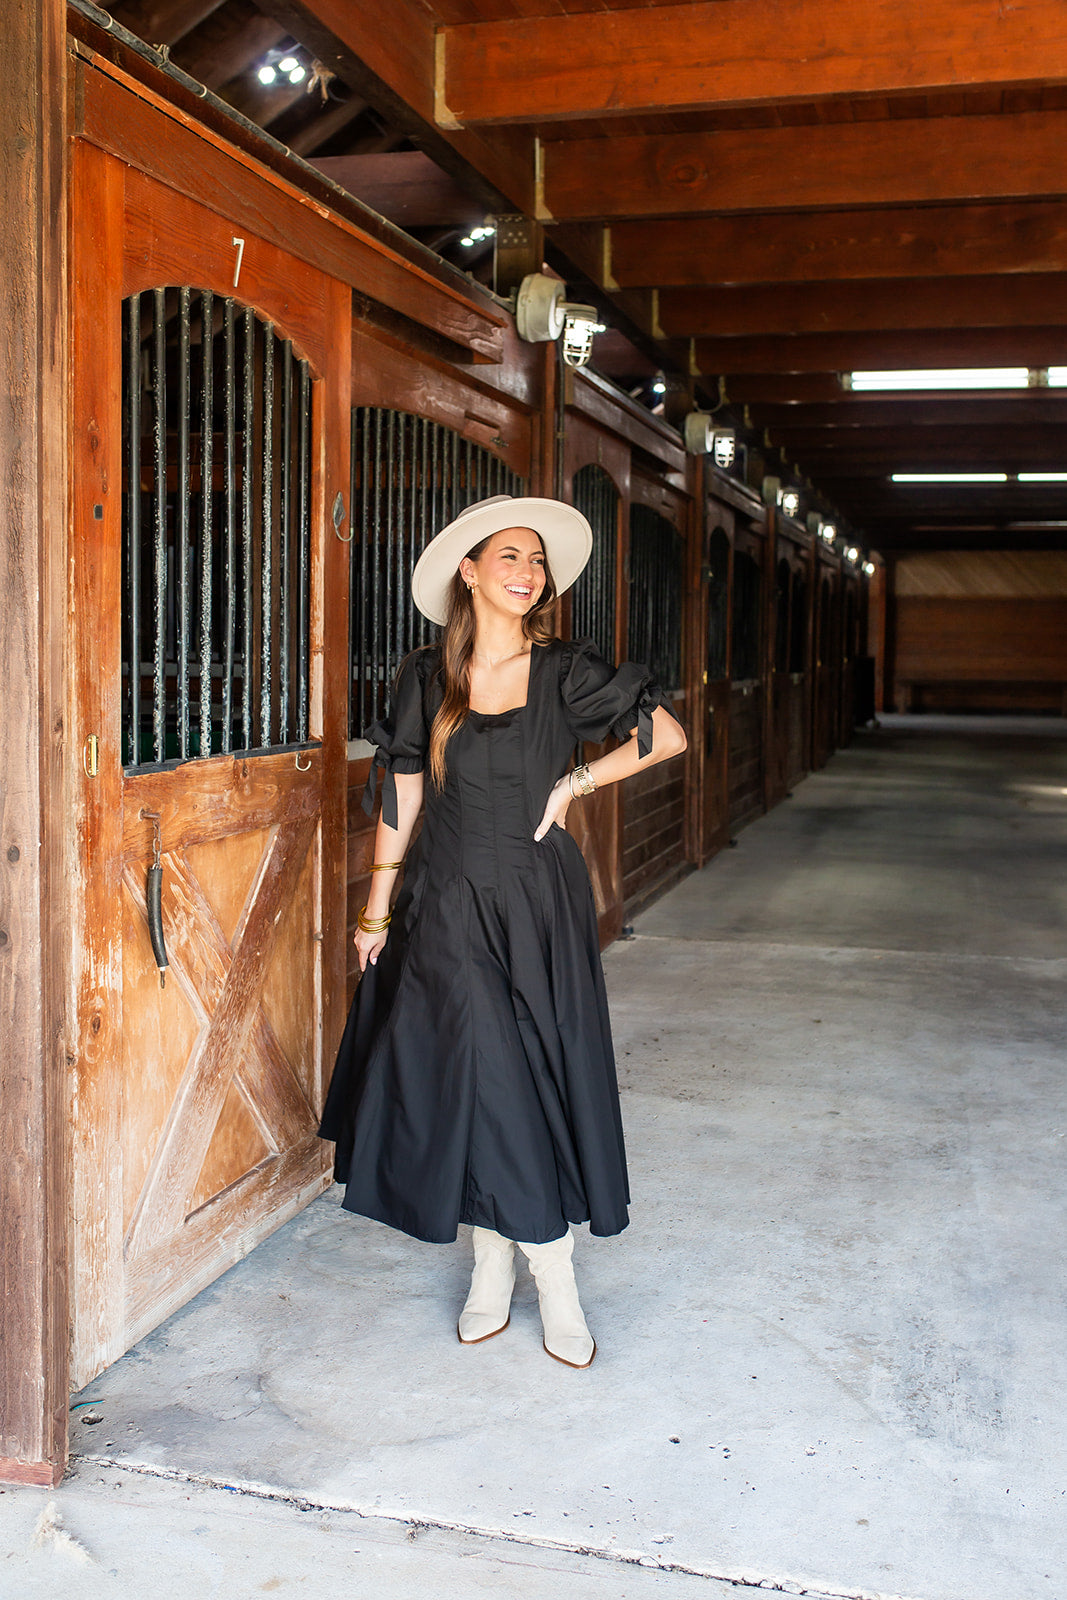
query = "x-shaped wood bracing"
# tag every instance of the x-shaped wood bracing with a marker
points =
(236, 1044)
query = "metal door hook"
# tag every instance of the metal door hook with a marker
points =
(299, 768)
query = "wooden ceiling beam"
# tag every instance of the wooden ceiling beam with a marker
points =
(163, 21)
(928, 242)
(918, 160)
(864, 352)
(1025, 408)
(389, 60)
(819, 465)
(864, 306)
(405, 186)
(739, 52)
(986, 439)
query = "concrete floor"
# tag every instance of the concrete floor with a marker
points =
(833, 1342)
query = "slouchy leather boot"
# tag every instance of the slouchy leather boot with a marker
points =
(488, 1308)
(567, 1338)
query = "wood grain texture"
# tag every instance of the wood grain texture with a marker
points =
(980, 640)
(34, 905)
(760, 310)
(800, 247)
(194, 1112)
(863, 352)
(680, 57)
(982, 575)
(918, 160)
(96, 356)
(155, 139)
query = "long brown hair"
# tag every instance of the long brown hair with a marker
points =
(457, 649)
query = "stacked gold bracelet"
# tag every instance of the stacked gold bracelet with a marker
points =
(584, 778)
(373, 924)
(385, 866)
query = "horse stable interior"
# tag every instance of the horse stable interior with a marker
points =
(258, 302)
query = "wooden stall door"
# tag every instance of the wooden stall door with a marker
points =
(195, 1105)
(718, 552)
(747, 678)
(824, 672)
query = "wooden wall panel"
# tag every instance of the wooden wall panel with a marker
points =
(653, 848)
(980, 653)
(746, 753)
(982, 574)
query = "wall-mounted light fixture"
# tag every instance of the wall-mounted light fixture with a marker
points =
(828, 531)
(703, 438)
(869, 568)
(542, 315)
(789, 500)
(852, 554)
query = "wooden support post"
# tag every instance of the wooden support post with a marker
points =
(33, 932)
(519, 250)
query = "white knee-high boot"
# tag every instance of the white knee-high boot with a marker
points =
(488, 1307)
(567, 1337)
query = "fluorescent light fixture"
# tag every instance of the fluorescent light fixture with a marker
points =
(1057, 377)
(1043, 477)
(946, 378)
(950, 477)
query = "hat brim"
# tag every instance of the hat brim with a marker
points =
(563, 530)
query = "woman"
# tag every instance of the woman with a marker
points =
(475, 1082)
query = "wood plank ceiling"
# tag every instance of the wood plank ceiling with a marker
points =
(770, 192)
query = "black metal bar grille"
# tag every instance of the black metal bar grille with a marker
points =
(217, 438)
(745, 622)
(656, 595)
(593, 602)
(798, 632)
(410, 477)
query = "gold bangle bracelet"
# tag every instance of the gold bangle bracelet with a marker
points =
(372, 924)
(385, 866)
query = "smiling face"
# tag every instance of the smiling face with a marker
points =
(509, 575)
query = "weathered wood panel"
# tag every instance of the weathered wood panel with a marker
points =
(34, 907)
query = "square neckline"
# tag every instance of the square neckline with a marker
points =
(511, 711)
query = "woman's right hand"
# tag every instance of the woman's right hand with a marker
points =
(369, 947)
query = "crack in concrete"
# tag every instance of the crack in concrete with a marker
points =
(414, 1522)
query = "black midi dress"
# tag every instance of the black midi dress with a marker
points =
(475, 1082)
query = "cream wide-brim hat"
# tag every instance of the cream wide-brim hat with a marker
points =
(564, 532)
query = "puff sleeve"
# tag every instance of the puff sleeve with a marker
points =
(600, 699)
(402, 737)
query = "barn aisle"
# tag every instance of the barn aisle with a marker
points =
(834, 1340)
